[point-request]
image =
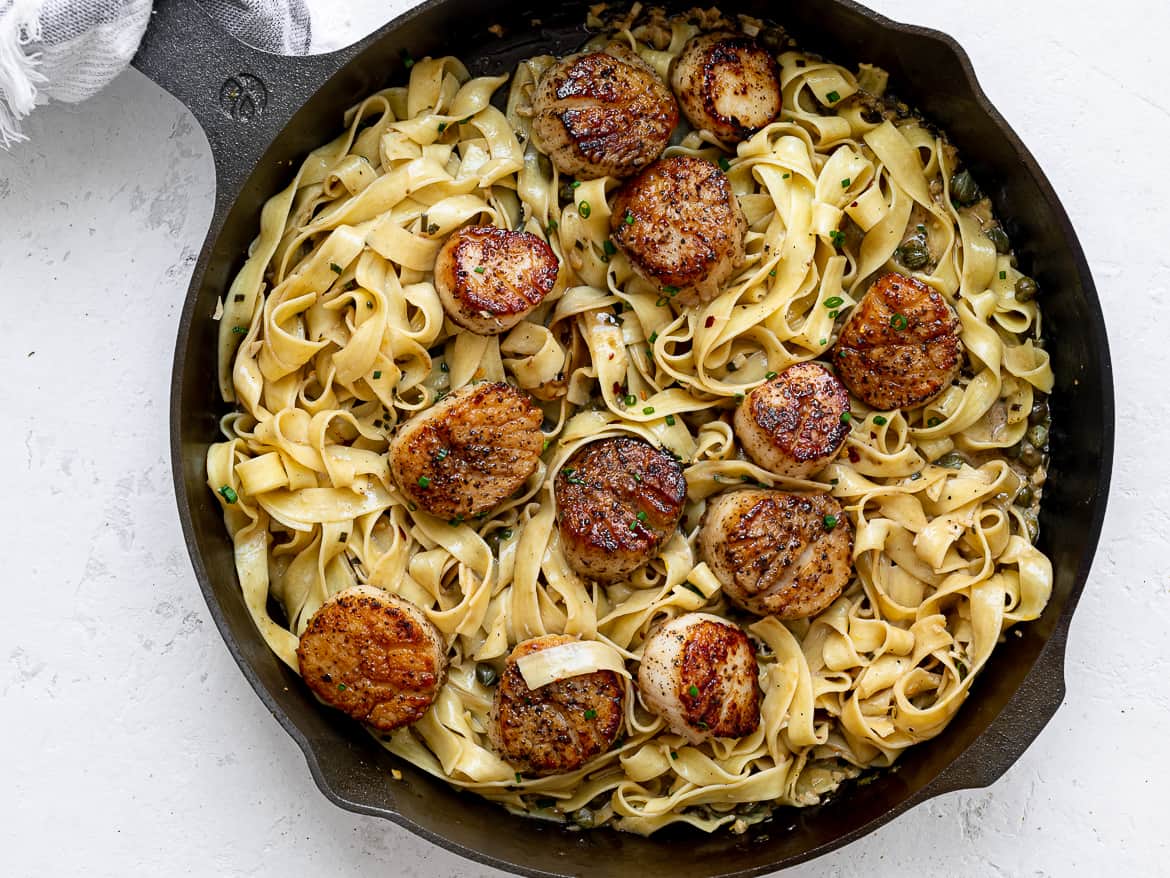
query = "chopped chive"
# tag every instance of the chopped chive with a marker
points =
(630, 399)
(662, 300)
(880, 420)
(648, 410)
(824, 341)
(834, 302)
(629, 218)
(341, 687)
(634, 524)
(591, 714)
(335, 268)
(584, 209)
(786, 176)
(608, 247)
(553, 225)
(478, 269)
(465, 119)
(575, 184)
(229, 494)
(407, 61)
(830, 522)
(637, 478)
(846, 417)
(517, 777)
(832, 313)
(772, 273)
(240, 330)
(670, 290)
(506, 533)
(833, 97)
(442, 127)
(899, 322)
(377, 374)
(641, 516)
(1003, 275)
(845, 183)
(544, 448)
(441, 454)
(653, 337)
(724, 164)
(770, 375)
(690, 586)
(673, 755)
(838, 237)
(702, 725)
(933, 422)
(424, 482)
(693, 692)
(670, 420)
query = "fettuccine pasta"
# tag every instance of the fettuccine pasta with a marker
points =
(332, 335)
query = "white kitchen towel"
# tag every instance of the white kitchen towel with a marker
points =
(67, 50)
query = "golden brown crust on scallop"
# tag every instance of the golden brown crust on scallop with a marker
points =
(727, 84)
(618, 501)
(469, 451)
(373, 656)
(559, 727)
(774, 553)
(489, 279)
(792, 424)
(681, 226)
(900, 347)
(698, 672)
(602, 113)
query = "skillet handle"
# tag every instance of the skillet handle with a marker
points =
(242, 97)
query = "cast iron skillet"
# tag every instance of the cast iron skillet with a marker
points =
(262, 113)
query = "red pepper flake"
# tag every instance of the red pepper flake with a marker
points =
(617, 388)
(710, 322)
(854, 457)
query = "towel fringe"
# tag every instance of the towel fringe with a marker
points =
(19, 74)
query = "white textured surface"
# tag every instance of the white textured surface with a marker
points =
(130, 743)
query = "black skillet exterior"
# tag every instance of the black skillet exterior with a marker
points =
(262, 113)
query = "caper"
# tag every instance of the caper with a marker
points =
(914, 253)
(999, 238)
(486, 674)
(1026, 289)
(1033, 527)
(951, 460)
(964, 189)
(1038, 435)
(1039, 413)
(1025, 497)
(1030, 455)
(583, 817)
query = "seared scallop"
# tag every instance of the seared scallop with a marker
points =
(792, 424)
(900, 347)
(681, 227)
(490, 279)
(699, 673)
(558, 727)
(777, 554)
(728, 84)
(468, 451)
(603, 113)
(618, 500)
(373, 656)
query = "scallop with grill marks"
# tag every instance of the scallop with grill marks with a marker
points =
(373, 656)
(792, 424)
(785, 555)
(603, 113)
(558, 727)
(618, 500)
(728, 84)
(699, 673)
(900, 347)
(469, 451)
(681, 227)
(490, 279)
